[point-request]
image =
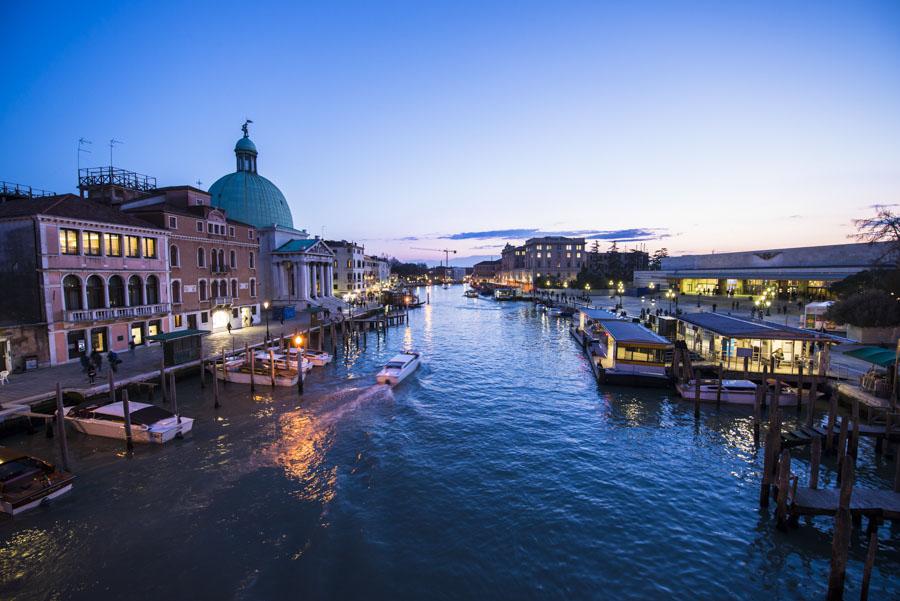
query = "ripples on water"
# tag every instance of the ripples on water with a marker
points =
(497, 471)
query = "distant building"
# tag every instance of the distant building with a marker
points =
(805, 272)
(486, 270)
(213, 260)
(349, 268)
(86, 276)
(617, 265)
(377, 272)
(553, 258)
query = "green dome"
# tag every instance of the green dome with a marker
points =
(247, 196)
(251, 198)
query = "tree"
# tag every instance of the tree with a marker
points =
(657, 258)
(870, 279)
(595, 247)
(868, 309)
(883, 227)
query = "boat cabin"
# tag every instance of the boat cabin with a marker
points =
(630, 348)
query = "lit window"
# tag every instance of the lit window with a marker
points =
(150, 248)
(132, 246)
(91, 243)
(113, 243)
(68, 241)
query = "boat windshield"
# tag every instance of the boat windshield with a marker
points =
(394, 365)
(149, 415)
(19, 467)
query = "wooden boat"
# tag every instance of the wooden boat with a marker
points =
(237, 371)
(26, 482)
(149, 423)
(736, 392)
(398, 368)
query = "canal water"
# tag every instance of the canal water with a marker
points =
(498, 471)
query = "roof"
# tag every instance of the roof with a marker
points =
(630, 332)
(72, 207)
(296, 245)
(874, 354)
(245, 144)
(167, 336)
(744, 327)
(600, 314)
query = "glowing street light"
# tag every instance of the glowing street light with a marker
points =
(266, 309)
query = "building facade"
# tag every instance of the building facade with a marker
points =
(553, 259)
(486, 271)
(804, 272)
(213, 260)
(88, 277)
(349, 268)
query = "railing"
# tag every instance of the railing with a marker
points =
(220, 269)
(20, 191)
(106, 314)
(222, 300)
(101, 176)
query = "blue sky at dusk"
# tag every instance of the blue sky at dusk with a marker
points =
(695, 126)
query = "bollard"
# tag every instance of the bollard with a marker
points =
(126, 413)
(61, 428)
(216, 384)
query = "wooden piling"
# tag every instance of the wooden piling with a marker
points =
(224, 379)
(853, 445)
(897, 470)
(202, 372)
(832, 417)
(842, 448)
(126, 413)
(784, 477)
(815, 458)
(870, 559)
(162, 379)
(696, 398)
(799, 387)
(719, 388)
(252, 371)
(757, 414)
(811, 400)
(841, 541)
(272, 367)
(215, 381)
(746, 367)
(61, 428)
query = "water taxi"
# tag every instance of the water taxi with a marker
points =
(627, 353)
(26, 482)
(149, 423)
(317, 358)
(238, 371)
(735, 392)
(505, 294)
(398, 368)
(471, 294)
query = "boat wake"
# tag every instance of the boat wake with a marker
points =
(333, 406)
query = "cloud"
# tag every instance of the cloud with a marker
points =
(623, 235)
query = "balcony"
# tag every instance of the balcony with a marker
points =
(107, 314)
(222, 300)
(220, 269)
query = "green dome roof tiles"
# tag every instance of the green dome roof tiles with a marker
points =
(251, 198)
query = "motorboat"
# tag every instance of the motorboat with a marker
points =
(398, 368)
(237, 370)
(471, 294)
(317, 358)
(554, 312)
(735, 392)
(149, 423)
(504, 294)
(26, 482)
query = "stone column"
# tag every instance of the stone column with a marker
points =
(329, 279)
(315, 280)
(303, 276)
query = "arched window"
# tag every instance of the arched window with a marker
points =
(72, 292)
(214, 260)
(152, 290)
(201, 258)
(252, 264)
(234, 288)
(176, 291)
(232, 259)
(202, 288)
(223, 287)
(215, 288)
(221, 259)
(173, 256)
(95, 292)
(135, 291)
(253, 288)
(116, 292)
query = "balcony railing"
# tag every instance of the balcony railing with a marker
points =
(107, 314)
(220, 269)
(222, 300)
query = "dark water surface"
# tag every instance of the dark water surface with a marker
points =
(498, 471)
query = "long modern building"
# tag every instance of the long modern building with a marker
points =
(805, 271)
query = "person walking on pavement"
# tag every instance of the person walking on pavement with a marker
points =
(91, 372)
(229, 327)
(131, 346)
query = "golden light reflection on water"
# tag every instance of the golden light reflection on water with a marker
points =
(25, 551)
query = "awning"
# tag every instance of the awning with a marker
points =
(873, 354)
(167, 336)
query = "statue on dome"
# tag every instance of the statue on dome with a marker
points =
(245, 129)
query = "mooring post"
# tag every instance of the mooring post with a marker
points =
(799, 387)
(162, 379)
(272, 367)
(215, 382)
(841, 541)
(765, 387)
(853, 445)
(202, 370)
(61, 428)
(757, 414)
(746, 367)
(224, 379)
(842, 448)
(252, 371)
(811, 400)
(719, 388)
(173, 391)
(696, 398)
(112, 387)
(815, 458)
(832, 418)
(870, 558)
(784, 478)
(126, 413)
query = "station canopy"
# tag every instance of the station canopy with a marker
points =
(874, 354)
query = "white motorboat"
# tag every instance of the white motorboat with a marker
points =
(26, 482)
(398, 368)
(149, 423)
(471, 294)
(283, 360)
(317, 358)
(239, 372)
(554, 312)
(735, 392)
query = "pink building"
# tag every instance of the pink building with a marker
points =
(86, 276)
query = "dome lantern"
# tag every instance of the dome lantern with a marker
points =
(245, 151)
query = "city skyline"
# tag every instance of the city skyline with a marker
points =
(467, 127)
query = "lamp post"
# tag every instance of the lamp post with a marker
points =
(670, 294)
(298, 341)
(621, 291)
(266, 309)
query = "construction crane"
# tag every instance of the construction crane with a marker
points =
(446, 252)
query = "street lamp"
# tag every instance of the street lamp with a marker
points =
(266, 309)
(298, 341)
(670, 294)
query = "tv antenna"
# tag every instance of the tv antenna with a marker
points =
(80, 149)
(199, 185)
(112, 143)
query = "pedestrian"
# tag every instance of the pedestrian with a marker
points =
(113, 360)
(714, 307)
(97, 359)
(91, 372)
(131, 346)
(85, 363)
(229, 327)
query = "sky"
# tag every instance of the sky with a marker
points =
(695, 126)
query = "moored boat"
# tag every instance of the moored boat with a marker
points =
(239, 372)
(26, 482)
(471, 294)
(317, 358)
(398, 368)
(149, 423)
(735, 392)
